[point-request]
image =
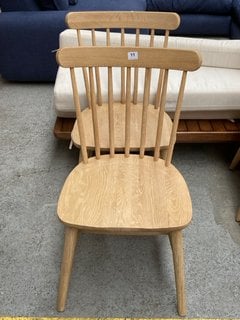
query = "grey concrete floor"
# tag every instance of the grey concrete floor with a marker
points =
(112, 276)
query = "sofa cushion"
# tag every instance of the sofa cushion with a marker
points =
(236, 10)
(54, 4)
(203, 25)
(204, 90)
(73, 2)
(19, 5)
(110, 5)
(222, 7)
(213, 88)
(226, 51)
(61, 4)
(215, 53)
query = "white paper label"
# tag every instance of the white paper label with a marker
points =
(133, 55)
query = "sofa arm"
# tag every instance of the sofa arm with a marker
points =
(27, 40)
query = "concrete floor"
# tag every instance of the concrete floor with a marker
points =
(112, 276)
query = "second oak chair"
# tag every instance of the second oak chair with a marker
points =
(147, 22)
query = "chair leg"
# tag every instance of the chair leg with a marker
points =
(176, 241)
(235, 160)
(71, 235)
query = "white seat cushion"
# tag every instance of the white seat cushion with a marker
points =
(208, 89)
(214, 88)
(222, 53)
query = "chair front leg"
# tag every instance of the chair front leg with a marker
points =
(176, 241)
(71, 236)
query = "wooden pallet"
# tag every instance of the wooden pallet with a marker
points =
(208, 131)
(189, 131)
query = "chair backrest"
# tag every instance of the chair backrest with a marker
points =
(129, 58)
(112, 20)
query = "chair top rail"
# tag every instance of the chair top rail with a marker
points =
(123, 19)
(175, 59)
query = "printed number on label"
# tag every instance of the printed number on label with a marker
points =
(133, 55)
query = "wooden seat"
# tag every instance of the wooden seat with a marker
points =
(126, 193)
(136, 198)
(149, 21)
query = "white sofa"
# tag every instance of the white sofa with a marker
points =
(212, 92)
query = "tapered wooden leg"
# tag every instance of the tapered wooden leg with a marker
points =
(71, 235)
(235, 160)
(176, 241)
(238, 215)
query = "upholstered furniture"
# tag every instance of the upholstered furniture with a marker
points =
(32, 27)
(212, 92)
(33, 31)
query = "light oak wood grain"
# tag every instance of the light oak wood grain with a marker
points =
(119, 111)
(162, 58)
(178, 260)
(71, 235)
(123, 19)
(110, 20)
(125, 195)
(235, 160)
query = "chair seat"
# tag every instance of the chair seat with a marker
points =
(125, 196)
(119, 122)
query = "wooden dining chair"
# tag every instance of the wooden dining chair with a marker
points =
(109, 21)
(125, 194)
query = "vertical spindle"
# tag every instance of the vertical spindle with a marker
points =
(161, 117)
(176, 119)
(97, 73)
(110, 112)
(79, 116)
(128, 114)
(94, 114)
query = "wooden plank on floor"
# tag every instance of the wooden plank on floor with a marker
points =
(207, 137)
(68, 124)
(189, 130)
(238, 124)
(218, 125)
(63, 127)
(192, 125)
(205, 125)
(182, 126)
(230, 125)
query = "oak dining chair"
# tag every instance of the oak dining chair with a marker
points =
(124, 193)
(108, 21)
